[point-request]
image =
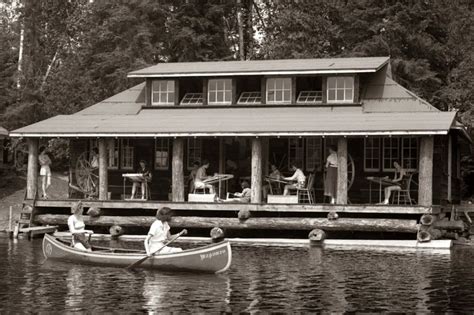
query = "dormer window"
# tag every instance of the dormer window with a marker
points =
(192, 99)
(162, 92)
(278, 90)
(250, 98)
(219, 92)
(340, 89)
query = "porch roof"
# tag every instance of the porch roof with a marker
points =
(263, 67)
(239, 121)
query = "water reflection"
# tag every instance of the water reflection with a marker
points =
(260, 280)
(201, 292)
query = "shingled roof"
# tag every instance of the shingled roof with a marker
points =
(263, 67)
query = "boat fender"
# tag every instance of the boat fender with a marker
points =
(217, 234)
(94, 212)
(316, 237)
(243, 214)
(116, 231)
(333, 215)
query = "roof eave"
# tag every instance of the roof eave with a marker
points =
(231, 134)
(246, 73)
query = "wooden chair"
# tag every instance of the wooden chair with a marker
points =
(307, 194)
(403, 195)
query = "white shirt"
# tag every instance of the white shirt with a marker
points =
(332, 160)
(159, 232)
(298, 176)
(75, 225)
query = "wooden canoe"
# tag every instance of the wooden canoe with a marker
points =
(214, 258)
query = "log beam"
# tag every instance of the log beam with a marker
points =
(341, 197)
(178, 170)
(103, 173)
(256, 184)
(32, 171)
(264, 223)
(425, 177)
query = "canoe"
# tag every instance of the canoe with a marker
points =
(214, 258)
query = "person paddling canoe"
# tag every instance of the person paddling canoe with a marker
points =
(159, 233)
(77, 228)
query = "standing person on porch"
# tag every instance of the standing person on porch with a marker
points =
(330, 182)
(298, 178)
(45, 171)
(160, 233)
(201, 175)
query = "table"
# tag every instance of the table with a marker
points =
(271, 180)
(382, 181)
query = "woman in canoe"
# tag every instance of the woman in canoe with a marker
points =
(77, 228)
(159, 233)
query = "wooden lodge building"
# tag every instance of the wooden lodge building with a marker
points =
(242, 116)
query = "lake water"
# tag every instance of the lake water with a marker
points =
(260, 279)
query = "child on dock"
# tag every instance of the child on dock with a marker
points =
(159, 233)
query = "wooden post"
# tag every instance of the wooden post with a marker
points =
(178, 170)
(32, 172)
(103, 166)
(256, 182)
(222, 160)
(341, 171)
(450, 168)
(425, 176)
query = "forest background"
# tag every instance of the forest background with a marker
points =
(58, 56)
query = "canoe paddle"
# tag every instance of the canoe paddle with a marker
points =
(174, 238)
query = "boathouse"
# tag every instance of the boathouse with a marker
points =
(243, 116)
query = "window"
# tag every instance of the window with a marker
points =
(371, 154)
(162, 92)
(313, 154)
(295, 152)
(219, 91)
(194, 151)
(410, 154)
(340, 89)
(250, 98)
(192, 99)
(310, 97)
(126, 156)
(161, 154)
(278, 90)
(113, 153)
(391, 153)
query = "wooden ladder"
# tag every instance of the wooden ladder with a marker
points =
(27, 211)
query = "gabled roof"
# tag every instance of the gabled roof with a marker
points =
(382, 94)
(235, 121)
(128, 102)
(263, 67)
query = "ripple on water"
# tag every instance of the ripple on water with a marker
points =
(260, 279)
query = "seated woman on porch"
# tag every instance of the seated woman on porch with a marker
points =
(146, 174)
(274, 174)
(192, 175)
(297, 180)
(398, 179)
(77, 228)
(201, 176)
(243, 197)
(159, 234)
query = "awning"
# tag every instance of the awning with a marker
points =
(241, 121)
